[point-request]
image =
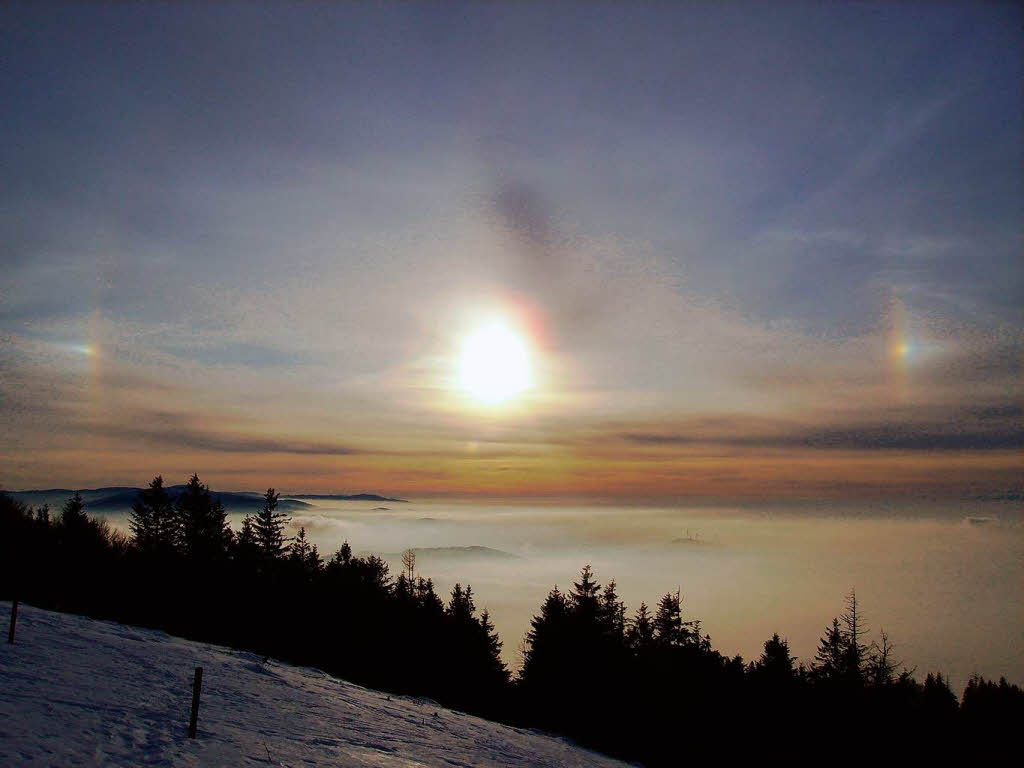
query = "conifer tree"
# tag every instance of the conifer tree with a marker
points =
(585, 599)
(830, 659)
(373, 571)
(640, 635)
(345, 552)
(246, 547)
(140, 523)
(205, 533)
(546, 638)
(775, 663)
(73, 515)
(303, 556)
(299, 551)
(613, 613)
(460, 606)
(669, 627)
(403, 588)
(152, 520)
(247, 536)
(269, 527)
(493, 645)
(314, 563)
(427, 597)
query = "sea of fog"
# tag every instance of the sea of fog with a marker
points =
(946, 583)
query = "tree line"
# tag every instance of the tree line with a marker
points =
(182, 569)
(652, 687)
(648, 686)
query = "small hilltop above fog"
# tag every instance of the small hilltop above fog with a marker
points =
(343, 497)
(453, 553)
(690, 537)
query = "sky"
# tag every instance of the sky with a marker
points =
(750, 251)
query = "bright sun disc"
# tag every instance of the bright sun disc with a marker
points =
(495, 365)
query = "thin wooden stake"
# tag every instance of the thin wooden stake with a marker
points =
(14, 620)
(197, 686)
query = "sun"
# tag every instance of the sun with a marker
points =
(495, 364)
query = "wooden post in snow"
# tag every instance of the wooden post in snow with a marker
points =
(197, 685)
(14, 620)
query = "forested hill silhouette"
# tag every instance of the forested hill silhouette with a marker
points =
(343, 497)
(55, 497)
(647, 686)
(121, 498)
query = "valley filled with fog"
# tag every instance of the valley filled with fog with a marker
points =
(944, 581)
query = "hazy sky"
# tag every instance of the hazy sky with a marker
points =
(752, 249)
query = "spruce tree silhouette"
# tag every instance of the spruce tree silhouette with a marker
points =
(669, 627)
(495, 666)
(776, 662)
(830, 659)
(303, 558)
(246, 546)
(545, 639)
(613, 613)
(140, 520)
(584, 597)
(205, 534)
(344, 554)
(269, 527)
(460, 605)
(154, 525)
(73, 516)
(640, 635)
(300, 549)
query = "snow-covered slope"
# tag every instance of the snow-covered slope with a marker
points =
(76, 691)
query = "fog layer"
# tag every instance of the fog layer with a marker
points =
(943, 581)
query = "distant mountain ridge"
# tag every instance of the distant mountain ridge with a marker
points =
(121, 498)
(342, 497)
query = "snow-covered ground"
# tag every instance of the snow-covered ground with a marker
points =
(74, 691)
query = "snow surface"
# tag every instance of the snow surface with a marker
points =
(75, 691)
